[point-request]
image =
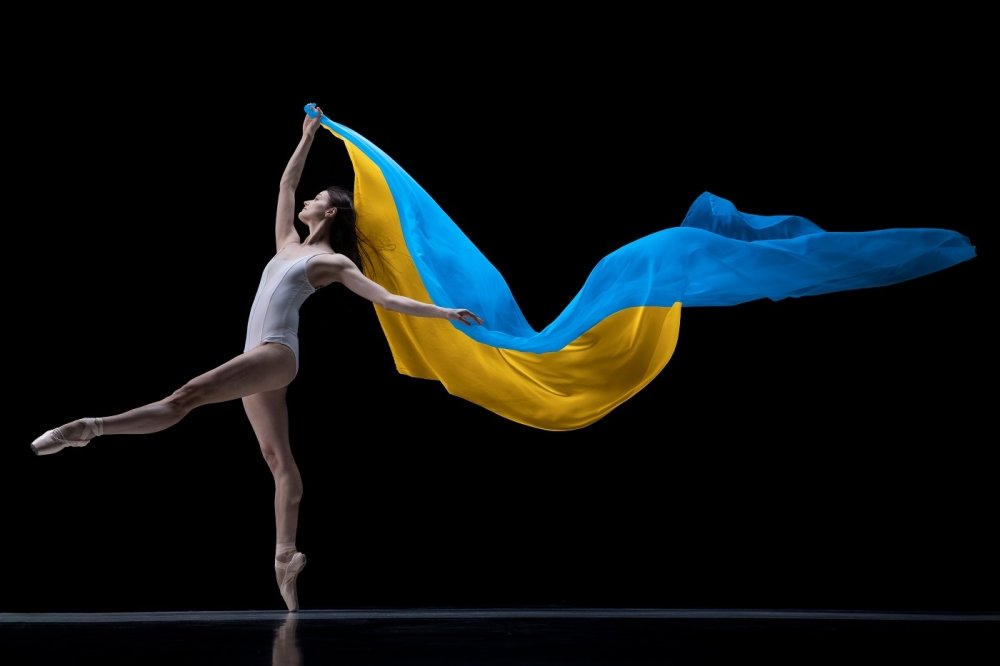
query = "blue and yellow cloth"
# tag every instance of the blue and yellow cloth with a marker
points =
(621, 329)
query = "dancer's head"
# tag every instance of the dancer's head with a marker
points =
(335, 207)
(332, 203)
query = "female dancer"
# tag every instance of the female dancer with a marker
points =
(333, 251)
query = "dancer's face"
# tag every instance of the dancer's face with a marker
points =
(315, 209)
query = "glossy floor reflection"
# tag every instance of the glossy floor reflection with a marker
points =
(484, 637)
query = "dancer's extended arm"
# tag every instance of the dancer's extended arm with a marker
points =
(284, 221)
(338, 268)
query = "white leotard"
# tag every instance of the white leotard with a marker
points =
(274, 316)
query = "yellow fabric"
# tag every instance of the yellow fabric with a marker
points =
(563, 390)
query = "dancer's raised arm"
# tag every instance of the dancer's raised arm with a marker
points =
(284, 221)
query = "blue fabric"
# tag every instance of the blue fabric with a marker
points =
(718, 256)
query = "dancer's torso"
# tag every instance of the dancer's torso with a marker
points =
(284, 286)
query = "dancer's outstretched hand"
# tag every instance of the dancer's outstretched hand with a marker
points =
(467, 317)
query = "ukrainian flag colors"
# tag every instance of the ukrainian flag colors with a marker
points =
(621, 329)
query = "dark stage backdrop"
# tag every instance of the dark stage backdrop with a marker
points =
(829, 452)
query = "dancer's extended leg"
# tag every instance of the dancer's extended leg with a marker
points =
(264, 368)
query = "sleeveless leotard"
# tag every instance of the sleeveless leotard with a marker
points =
(274, 316)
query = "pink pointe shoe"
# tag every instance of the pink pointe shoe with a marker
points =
(54, 442)
(288, 572)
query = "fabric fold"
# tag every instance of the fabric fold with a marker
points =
(621, 328)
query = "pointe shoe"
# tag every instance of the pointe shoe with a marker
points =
(289, 571)
(54, 442)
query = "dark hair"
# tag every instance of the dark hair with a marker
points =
(345, 237)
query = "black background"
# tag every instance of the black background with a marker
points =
(830, 452)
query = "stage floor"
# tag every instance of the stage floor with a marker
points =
(488, 636)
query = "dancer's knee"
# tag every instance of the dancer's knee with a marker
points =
(277, 456)
(186, 398)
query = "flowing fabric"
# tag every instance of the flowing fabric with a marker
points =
(621, 328)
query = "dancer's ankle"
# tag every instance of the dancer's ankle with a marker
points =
(283, 551)
(94, 427)
(82, 429)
